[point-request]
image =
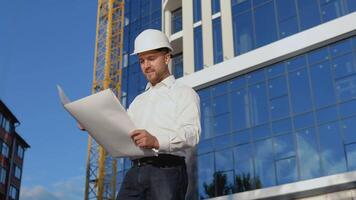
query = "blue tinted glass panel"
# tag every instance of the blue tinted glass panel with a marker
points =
(258, 104)
(205, 146)
(222, 124)
(220, 104)
(223, 183)
(205, 172)
(260, 132)
(243, 33)
(319, 55)
(206, 119)
(240, 110)
(197, 10)
(346, 88)
(222, 142)
(331, 10)
(241, 137)
(300, 91)
(349, 129)
(326, 114)
(243, 163)
(204, 93)
(332, 152)
(322, 85)
(296, 63)
(288, 27)
(217, 40)
(351, 5)
(265, 24)
(219, 89)
(240, 6)
(351, 156)
(281, 126)
(348, 109)
(275, 70)
(284, 146)
(224, 160)
(259, 2)
(286, 9)
(341, 48)
(264, 163)
(237, 83)
(309, 13)
(177, 66)
(215, 6)
(286, 171)
(279, 107)
(198, 48)
(308, 154)
(256, 76)
(176, 20)
(303, 120)
(343, 66)
(277, 87)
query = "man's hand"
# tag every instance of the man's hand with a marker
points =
(144, 139)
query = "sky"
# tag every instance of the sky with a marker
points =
(44, 43)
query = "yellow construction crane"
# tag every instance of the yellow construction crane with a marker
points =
(101, 168)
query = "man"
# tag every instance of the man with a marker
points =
(168, 117)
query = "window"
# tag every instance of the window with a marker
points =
(17, 172)
(196, 10)
(20, 151)
(265, 24)
(176, 20)
(5, 150)
(3, 173)
(243, 33)
(217, 41)
(198, 48)
(215, 6)
(13, 193)
(177, 65)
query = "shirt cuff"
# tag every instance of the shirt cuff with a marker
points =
(164, 142)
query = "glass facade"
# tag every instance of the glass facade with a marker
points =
(290, 121)
(260, 22)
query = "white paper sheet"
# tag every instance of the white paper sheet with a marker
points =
(106, 120)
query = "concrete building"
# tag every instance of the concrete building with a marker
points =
(12, 148)
(277, 83)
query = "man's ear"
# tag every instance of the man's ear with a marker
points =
(167, 58)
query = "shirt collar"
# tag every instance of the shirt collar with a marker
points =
(168, 82)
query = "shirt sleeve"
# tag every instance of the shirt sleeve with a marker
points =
(188, 128)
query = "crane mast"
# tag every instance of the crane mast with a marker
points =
(101, 168)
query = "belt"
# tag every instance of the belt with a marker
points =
(162, 160)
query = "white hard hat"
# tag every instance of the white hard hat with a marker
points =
(151, 39)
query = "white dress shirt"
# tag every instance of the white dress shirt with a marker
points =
(170, 111)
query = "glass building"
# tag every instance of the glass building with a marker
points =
(277, 84)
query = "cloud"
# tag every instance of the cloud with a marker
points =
(71, 189)
(36, 193)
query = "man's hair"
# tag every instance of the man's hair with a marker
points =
(165, 50)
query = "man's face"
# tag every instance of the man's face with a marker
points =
(154, 65)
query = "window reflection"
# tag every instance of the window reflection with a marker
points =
(270, 127)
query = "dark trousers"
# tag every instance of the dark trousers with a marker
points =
(149, 182)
